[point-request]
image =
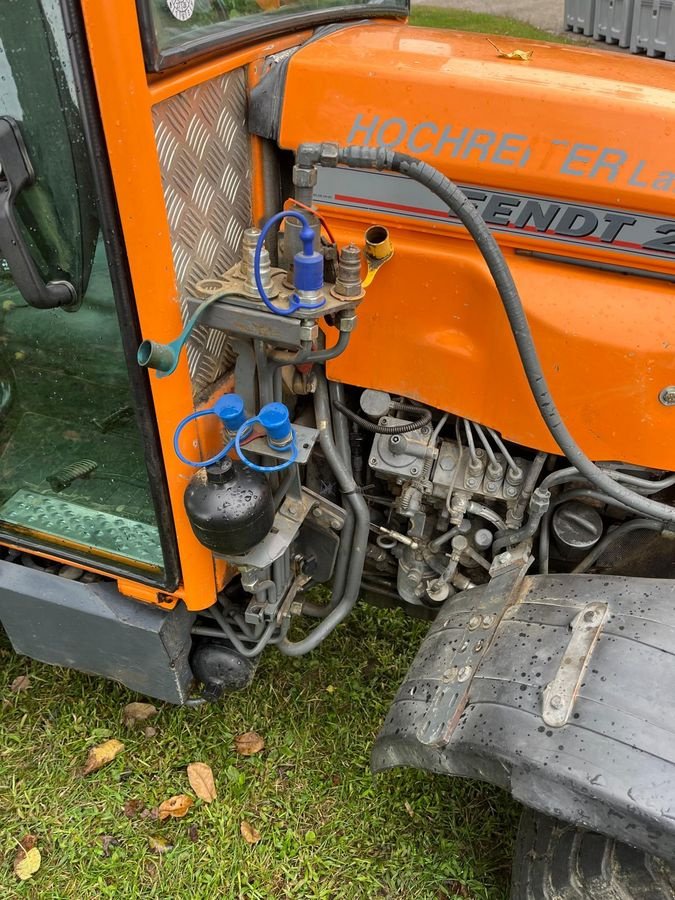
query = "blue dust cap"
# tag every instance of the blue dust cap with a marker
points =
(275, 420)
(230, 409)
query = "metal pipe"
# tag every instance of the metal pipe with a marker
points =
(361, 529)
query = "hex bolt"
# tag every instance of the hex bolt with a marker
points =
(464, 673)
(474, 622)
(556, 702)
(450, 675)
(667, 396)
(488, 621)
(414, 471)
(317, 512)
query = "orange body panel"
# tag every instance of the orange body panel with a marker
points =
(126, 97)
(584, 127)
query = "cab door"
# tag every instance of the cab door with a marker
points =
(80, 478)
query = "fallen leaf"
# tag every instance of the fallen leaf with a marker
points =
(409, 809)
(28, 841)
(20, 684)
(26, 863)
(150, 731)
(249, 743)
(159, 844)
(108, 841)
(137, 712)
(102, 755)
(193, 834)
(250, 834)
(175, 807)
(150, 813)
(330, 689)
(522, 55)
(200, 777)
(132, 808)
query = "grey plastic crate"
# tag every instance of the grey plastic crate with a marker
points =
(614, 21)
(654, 28)
(580, 16)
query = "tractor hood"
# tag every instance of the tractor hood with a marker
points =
(568, 154)
(581, 125)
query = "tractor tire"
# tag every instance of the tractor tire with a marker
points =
(557, 861)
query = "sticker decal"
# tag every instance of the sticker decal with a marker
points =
(181, 9)
(548, 219)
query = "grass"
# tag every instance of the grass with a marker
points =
(329, 827)
(435, 17)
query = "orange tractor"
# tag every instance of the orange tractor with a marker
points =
(256, 341)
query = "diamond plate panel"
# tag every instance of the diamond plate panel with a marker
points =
(204, 154)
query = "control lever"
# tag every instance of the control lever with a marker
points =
(16, 173)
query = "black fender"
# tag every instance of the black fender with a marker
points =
(597, 747)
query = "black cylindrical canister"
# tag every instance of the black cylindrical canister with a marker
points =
(230, 507)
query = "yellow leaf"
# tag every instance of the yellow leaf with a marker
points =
(250, 834)
(102, 755)
(522, 55)
(249, 743)
(201, 781)
(175, 807)
(26, 864)
(137, 712)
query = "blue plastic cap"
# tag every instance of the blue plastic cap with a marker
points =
(308, 272)
(230, 409)
(275, 420)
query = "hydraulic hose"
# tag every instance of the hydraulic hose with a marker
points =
(350, 490)
(459, 204)
(423, 418)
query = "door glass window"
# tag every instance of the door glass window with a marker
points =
(72, 467)
(175, 30)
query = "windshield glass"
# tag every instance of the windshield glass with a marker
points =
(176, 29)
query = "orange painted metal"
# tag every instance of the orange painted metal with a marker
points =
(125, 99)
(432, 326)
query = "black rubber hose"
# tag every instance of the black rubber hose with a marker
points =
(424, 417)
(464, 209)
(612, 538)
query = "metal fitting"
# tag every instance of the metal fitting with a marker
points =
(246, 267)
(304, 176)
(329, 154)
(347, 322)
(309, 331)
(348, 281)
(667, 396)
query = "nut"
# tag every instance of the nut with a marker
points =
(304, 177)
(347, 322)
(556, 702)
(309, 331)
(329, 154)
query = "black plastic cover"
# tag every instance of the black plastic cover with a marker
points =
(93, 628)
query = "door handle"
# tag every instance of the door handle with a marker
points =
(16, 173)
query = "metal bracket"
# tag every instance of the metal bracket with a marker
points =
(305, 438)
(287, 522)
(560, 694)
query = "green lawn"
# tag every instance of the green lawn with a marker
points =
(329, 828)
(433, 17)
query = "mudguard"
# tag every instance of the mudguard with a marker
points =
(560, 689)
